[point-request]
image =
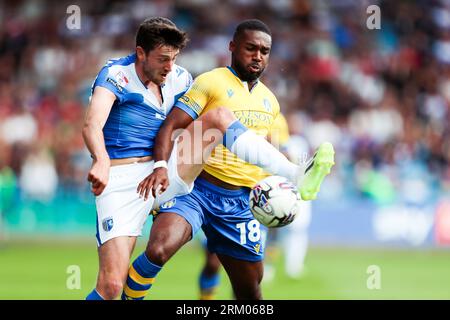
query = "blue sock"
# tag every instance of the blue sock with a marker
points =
(141, 276)
(208, 285)
(94, 295)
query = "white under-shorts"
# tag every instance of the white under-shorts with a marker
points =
(120, 209)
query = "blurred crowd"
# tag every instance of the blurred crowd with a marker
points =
(381, 97)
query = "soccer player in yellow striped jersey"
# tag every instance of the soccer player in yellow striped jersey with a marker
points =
(209, 278)
(255, 107)
(219, 200)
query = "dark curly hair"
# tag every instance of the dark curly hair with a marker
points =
(158, 31)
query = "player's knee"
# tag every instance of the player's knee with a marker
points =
(212, 266)
(220, 117)
(110, 288)
(259, 278)
(158, 254)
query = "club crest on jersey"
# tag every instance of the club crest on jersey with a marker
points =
(257, 247)
(267, 105)
(121, 79)
(169, 204)
(230, 93)
(108, 224)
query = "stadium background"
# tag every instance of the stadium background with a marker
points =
(381, 97)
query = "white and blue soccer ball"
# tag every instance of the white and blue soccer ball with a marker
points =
(275, 201)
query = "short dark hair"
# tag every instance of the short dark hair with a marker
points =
(157, 31)
(251, 24)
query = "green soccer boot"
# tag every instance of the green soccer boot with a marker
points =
(318, 167)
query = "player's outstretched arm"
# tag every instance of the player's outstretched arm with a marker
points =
(96, 116)
(158, 180)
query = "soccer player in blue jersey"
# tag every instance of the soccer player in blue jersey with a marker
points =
(219, 200)
(131, 97)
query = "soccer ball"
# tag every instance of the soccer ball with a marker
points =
(274, 201)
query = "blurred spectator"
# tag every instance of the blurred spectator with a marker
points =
(381, 96)
(38, 179)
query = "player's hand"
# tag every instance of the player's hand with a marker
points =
(98, 176)
(157, 182)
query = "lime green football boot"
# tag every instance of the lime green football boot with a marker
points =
(316, 170)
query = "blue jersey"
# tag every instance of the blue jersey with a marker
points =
(136, 114)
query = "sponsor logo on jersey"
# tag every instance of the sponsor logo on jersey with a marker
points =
(107, 224)
(115, 84)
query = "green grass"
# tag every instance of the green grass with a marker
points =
(38, 270)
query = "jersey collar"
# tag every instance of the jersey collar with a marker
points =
(244, 83)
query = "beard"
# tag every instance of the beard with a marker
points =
(152, 75)
(246, 75)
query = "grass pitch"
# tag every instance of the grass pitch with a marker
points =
(42, 270)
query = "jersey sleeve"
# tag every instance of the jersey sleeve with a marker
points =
(105, 80)
(183, 85)
(194, 100)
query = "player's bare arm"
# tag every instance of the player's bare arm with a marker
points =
(177, 119)
(96, 115)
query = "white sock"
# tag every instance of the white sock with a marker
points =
(256, 150)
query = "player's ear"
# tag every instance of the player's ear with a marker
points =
(140, 52)
(232, 46)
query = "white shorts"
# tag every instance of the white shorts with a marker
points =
(120, 210)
